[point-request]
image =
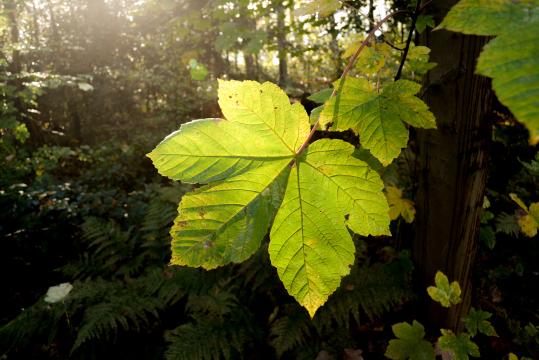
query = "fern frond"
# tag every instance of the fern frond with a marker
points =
(126, 311)
(208, 340)
(371, 289)
(507, 224)
(290, 331)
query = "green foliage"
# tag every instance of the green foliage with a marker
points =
(477, 322)
(424, 21)
(529, 222)
(377, 117)
(226, 220)
(443, 292)
(511, 61)
(321, 7)
(399, 206)
(459, 346)
(507, 224)
(113, 310)
(410, 343)
(289, 332)
(321, 96)
(198, 71)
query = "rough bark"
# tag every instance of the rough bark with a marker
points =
(452, 163)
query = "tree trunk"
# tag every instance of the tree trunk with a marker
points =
(281, 45)
(452, 163)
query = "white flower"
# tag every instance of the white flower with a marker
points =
(58, 293)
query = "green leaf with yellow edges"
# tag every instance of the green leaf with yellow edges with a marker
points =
(260, 174)
(529, 222)
(377, 117)
(443, 292)
(399, 206)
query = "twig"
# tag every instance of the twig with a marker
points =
(393, 46)
(347, 69)
(415, 15)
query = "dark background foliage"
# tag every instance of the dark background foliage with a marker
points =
(88, 87)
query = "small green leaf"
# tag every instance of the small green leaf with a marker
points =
(424, 21)
(529, 223)
(198, 71)
(378, 118)
(321, 96)
(399, 206)
(410, 343)
(460, 346)
(488, 236)
(444, 293)
(477, 322)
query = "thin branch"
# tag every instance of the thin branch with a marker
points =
(347, 69)
(409, 40)
(393, 46)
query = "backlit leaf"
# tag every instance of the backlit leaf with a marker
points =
(529, 222)
(511, 61)
(377, 117)
(398, 206)
(444, 293)
(256, 176)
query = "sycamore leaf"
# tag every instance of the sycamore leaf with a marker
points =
(511, 61)
(378, 118)
(371, 59)
(529, 223)
(477, 322)
(256, 176)
(410, 343)
(418, 60)
(310, 245)
(321, 7)
(444, 293)
(398, 206)
(460, 346)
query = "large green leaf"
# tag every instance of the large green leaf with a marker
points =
(512, 58)
(378, 117)
(259, 172)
